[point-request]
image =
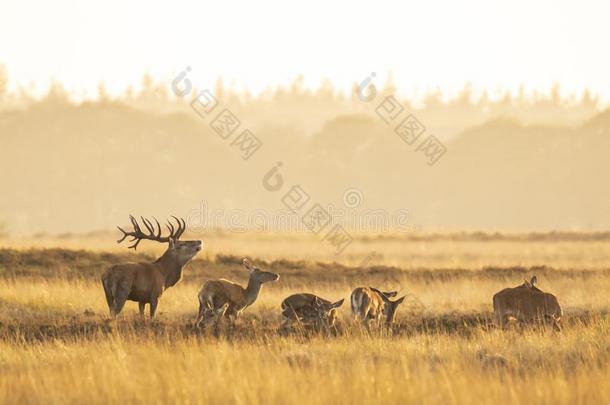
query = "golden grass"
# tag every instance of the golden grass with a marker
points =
(57, 346)
(436, 296)
(572, 367)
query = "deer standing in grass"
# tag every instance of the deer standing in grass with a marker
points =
(309, 309)
(369, 303)
(527, 303)
(146, 282)
(216, 293)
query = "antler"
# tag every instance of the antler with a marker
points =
(153, 233)
(179, 231)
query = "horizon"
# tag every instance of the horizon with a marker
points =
(466, 93)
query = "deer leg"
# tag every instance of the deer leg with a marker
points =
(119, 300)
(557, 324)
(501, 319)
(365, 315)
(153, 306)
(219, 319)
(200, 315)
(375, 321)
(365, 310)
(365, 322)
(354, 312)
(108, 293)
(141, 307)
(295, 318)
(554, 321)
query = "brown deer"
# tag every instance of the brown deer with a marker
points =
(369, 303)
(211, 316)
(309, 309)
(145, 282)
(527, 303)
(216, 293)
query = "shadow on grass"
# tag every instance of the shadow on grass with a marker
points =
(89, 325)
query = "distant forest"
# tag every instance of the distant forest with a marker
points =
(514, 163)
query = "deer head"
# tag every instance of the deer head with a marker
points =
(257, 275)
(390, 307)
(327, 311)
(212, 315)
(181, 251)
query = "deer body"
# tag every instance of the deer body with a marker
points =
(310, 309)
(146, 282)
(216, 293)
(142, 282)
(237, 297)
(369, 303)
(526, 303)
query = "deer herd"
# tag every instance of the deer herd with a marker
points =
(220, 299)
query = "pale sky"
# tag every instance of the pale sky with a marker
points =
(255, 44)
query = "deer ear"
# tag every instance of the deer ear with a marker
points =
(246, 263)
(383, 296)
(527, 283)
(400, 300)
(337, 304)
(534, 281)
(172, 243)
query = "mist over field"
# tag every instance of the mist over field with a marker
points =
(517, 163)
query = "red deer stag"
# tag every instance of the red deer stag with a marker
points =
(369, 303)
(527, 303)
(216, 293)
(145, 282)
(309, 309)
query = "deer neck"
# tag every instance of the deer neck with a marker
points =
(252, 291)
(171, 268)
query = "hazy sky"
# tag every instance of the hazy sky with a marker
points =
(254, 44)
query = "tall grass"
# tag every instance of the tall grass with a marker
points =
(535, 367)
(58, 346)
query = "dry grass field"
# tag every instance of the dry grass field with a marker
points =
(443, 162)
(58, 346)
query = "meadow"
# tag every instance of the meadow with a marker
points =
(57, 344)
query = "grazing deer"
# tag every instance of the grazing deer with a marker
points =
(369, 303)
(216, 293)
(145, 282)
(309, 309)
(211, 316)
(526, 303)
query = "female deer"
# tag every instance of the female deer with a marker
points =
(216, 293)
